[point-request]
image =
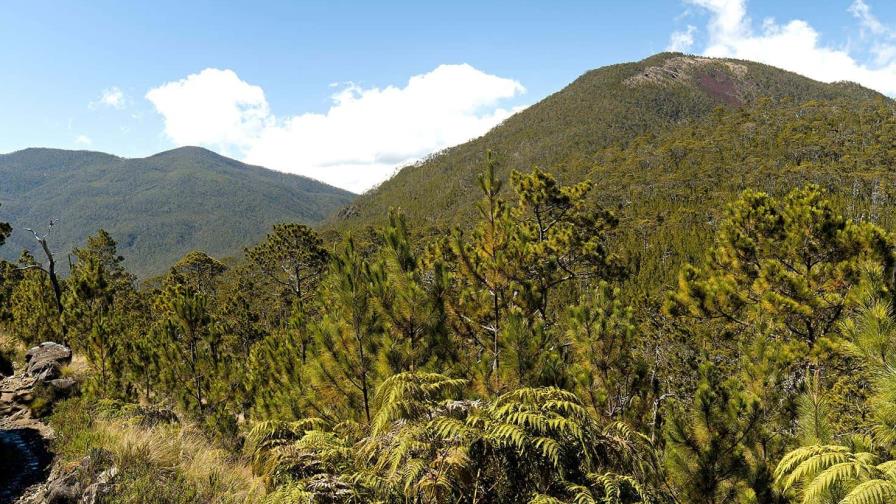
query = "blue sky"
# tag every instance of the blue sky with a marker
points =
(322, 88)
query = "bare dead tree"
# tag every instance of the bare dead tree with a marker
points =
(50, 269)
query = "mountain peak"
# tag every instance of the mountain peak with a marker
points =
(609, 106)
(189, 150)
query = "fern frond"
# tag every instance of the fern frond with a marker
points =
(874, 491)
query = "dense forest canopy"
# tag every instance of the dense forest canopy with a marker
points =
(699, 314)
(506, 363)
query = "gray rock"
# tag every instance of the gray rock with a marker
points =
(64, 490)
(96, 492)
(45, 361)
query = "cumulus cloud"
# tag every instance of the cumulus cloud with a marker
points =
(795, 45)
(360, 141)
(112, 97)
(83, 140)
(214, 108)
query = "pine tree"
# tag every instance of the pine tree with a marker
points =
(706, 450)
(794, 258)
(608, 370)
(89, 314)
(198, 271)
(844, 468)
(411, 295)
(561, 237)
(100, 309)
(515, 262)
(486, 275)
(191, 356)
(10, 276)
(35, 318)
(293, 258)
(348, 340)
(5, 231)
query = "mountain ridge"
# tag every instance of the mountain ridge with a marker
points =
(158, 207)
(605, 107)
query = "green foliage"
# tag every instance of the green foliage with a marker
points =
(197, 271)
(100, 303)
(608, 371)
(191, 353)
(794, 259)
(275, 375)
(612, 107)
(35, 317)
(292, 257)
(514, 265)
(5, 231)
(426, 445)
(856, 470)
(706, 454)
(412, 294)
(348, 339)
(527, 357)
(10, 275)
(159, 208)
(291, 261)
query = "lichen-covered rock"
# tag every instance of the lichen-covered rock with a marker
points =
(63, 490)
(97, 492)
(45, 361)
(91, 481)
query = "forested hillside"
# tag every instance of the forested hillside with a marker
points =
(158, 208)
(690, 301)
(568, 131)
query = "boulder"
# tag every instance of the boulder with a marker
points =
(98, 492)
(63, 490)
(45, 361)
(91, 481)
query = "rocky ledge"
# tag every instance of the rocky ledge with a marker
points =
(25, 458)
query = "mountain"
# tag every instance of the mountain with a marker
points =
(567, 132)
(157, 208)
(668, 143)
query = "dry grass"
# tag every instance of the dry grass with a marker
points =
(165, 463)
(216, 475)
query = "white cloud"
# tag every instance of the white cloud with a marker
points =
(212, 108)
(862, 12)
(83, 140)
(112, 97)
(365, 135)
(882, 47)
(796, 46)
(682, 41)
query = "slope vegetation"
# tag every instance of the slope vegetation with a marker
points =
(157, 208)
(567, 132)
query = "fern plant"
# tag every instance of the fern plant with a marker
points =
(863, 471)
(837, 474)
(426, 444)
